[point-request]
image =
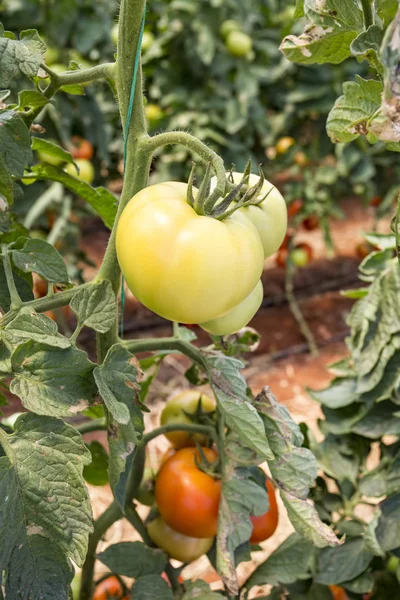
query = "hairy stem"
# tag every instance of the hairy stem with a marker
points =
(155, 344)
(367, 11)
(189, 427)
(15, 298)
(136, 522)
(136, 475)
(112, 514)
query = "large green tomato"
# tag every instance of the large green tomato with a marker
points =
(86, 170)
(270, 217)
(176, 545)
(239, 316)
(239, 44)
(182, 266)
(178, 410)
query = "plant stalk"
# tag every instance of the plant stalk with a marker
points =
(367, 12)
(15, 298)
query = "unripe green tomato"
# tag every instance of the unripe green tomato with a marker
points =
(52, 56)
(359, 189)
(147, 41)
(239, 44)
(86, 170)
(176, 412)
(114, 34)
(228, 26)
(145, 494)
(238, 317)
(176, 545)
(153, 112)
(269, 217)
(393, 564)
(299, 257)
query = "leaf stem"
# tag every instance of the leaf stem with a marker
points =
(367, 11)
(134, 519)
(15, 298)
(155, 344)
(189, 427)
(92, 425)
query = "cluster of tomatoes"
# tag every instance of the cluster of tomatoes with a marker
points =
(300, 254)
(82, 152)
(187, 488)
(195, 269)
(238, 43)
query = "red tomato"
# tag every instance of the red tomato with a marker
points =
(265, 525)
(281, 257)
(311, 222)
(188, 498)
(109, 589)
(376, 201)
(338, 592)
(81, 148)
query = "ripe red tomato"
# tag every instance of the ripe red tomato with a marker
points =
(188, 498)
(376, 201)
(265, 525)
(311, 222)
(295, 207)
(81, 148)
(338, 592)
(109, 589)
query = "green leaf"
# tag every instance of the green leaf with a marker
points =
(375, 262)
(388, 528)
(100, 199)
(24, 55)
(6, 183)
(292, 560)
(97, 472)
(380, 421)
(117, 380)
(43, 491)
(231, 391)
(51, 381)
(341, 392)
(39, 257)
(23, 288)
(343, 563)
(95, 306)
(318, 46)
(134, 559)
(15, 143)
(52, 149)
(368, 43)
(383, 241)
(36, 327)
(31, 99)
(351, 115)
(151, 587)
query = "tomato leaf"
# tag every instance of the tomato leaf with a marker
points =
(134, 559)
(52, 381)
(200, 590)
(388, 528)
(31, 99)
(32, 326)
(95, 306)
(15, 149)
(97, 472)
(292, 560)
(103, 201)
(24, 55)
(42, 145)
(42, 258)
(343, 563)
(231, 391)
(151, 587)
(43, 493)
(23, 288)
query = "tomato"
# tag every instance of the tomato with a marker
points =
(295, 207)
(376, 201)
(147, 41)
(145, 494)
(228, 26)
(153, 112)
(182, 266)
(393, 564)
(301, 255)
(300, 158)
(114, 34)
(86, 170)
(108, 589)
(239, 44)
(165, 577)
(265, 525)
(311, 222)
(188, 498)
(281, 257)
(363, 249)
(176, 411)
(81, 148)
(283, 144)
(239, 316)
(176, 545)
(338, 593)
(359, 189)
(269, 218)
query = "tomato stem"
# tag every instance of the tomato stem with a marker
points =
(156, 344)
(15, 298)
(92, 425)
(171, 427)
(367, 11)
